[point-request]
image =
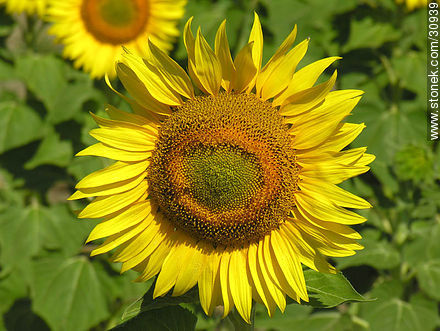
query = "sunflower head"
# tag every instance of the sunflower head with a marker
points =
(93, 31)
(226, 177)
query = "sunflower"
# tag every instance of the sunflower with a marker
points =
(29, 6)
(93, 31)
(413, 4)
(226, 178)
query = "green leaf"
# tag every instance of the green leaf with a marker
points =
(393, 314)
(325, 321)
(62, 99)
(379, 254)
(21, 317)
(426, 308)
(171, 318)
(63, 231)
(149, 303)
(25, 232)
(385, 289)
(12, 287)
(282, 321)
(19, 125)
(67, 293)
(425, 245)
(411, 69)
(369, 33)
(21, 235)
(52, 150)
(428, 275)
(329, 290)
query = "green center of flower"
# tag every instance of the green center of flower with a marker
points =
(222, 177)
(118, 12)
(224, 169)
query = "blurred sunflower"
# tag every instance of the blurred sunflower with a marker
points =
(413, 4)
(29, 6)
(93, 31)
(232, 188)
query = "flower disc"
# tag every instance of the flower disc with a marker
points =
(224, 169)
(115, 21)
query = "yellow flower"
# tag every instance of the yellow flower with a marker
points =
(93, 31)
(29, 6)
(413, 4)
(232, 188)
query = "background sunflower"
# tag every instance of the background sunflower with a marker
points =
(93, 31)
(49, 282)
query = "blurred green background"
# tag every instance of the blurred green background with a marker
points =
(47, 280)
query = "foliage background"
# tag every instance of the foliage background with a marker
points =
(47, 280)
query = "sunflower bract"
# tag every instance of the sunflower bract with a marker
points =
(234, 188)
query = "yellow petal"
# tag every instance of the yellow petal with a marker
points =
(275, 60)
(180, 256)
(117, 172)
(314, 127)
(256, 37)
(281, 75)
(308, 255)
(306, 99)
(209, 283)
(173, 74)
(305, 78)
(109, 123)
(144, 245)
(194, 264)
(170, 269)
(118, 239)
(207, 66)
(228, 302)
(154, 262)
(145, 240)
(223, 54)
(109, 189)
(267, 280)
(132, 216)
(109, 152)
(149, 109)
(366, 159)
(103, 206)
(258, 281)
(140, 121)
(289, 265)
(328, 242)
(123, 138)
(325, 210)
(331, 172)
(275, 271)
(190, 42)
(341, 229)
(239, 284)
(150, 78)
(245, 69)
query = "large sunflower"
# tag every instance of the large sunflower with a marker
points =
(93, 31)
(231, 188)
(28, 6)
